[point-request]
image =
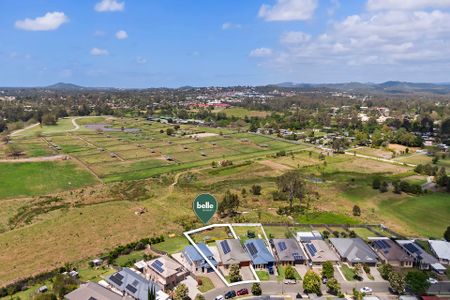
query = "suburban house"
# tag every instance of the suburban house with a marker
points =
(391, 253)
(319, 252)
(422, 259)
(354, 250)
(165, 271)
(259, 253)
(288, 252)
(92, 290)
(306, 236)
(442, 250)
(231, 252)
(194, 262)
(131, 284)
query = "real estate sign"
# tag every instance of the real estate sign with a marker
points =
(205, 206)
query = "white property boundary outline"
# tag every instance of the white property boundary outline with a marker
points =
(230, 226)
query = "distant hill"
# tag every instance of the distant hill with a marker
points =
(65, 86)
(390, 87)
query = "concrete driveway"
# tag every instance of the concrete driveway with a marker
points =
(191, 283)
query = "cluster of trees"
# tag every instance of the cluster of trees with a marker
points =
(235, 273)
(415, 280)
(229, 204)
(398, 186)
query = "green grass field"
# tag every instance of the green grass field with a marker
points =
(40, 178)
(427, 214)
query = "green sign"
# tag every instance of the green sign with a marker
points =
(205, 206)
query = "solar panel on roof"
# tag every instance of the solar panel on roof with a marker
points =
(311, 249)
(158, 262)
(116, 279)
(131, 288)
(119, 276)
(412, 248)
(225, 247)
(157, 266)
(135, 283)
(282, 246)
(297, 256)
(251, 247)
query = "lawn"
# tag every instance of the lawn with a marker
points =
(363, 233)
(206, 285)
(348, 272)
(427, 214)
(62, 126)
(95, 274)
(129, 259)
(280, 276)
(41, 178)
(172, 245)
(326, 218)
(263, 275)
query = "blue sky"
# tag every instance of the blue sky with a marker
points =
(152, 43)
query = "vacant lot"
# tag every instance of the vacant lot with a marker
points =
(427, 214)
(40, 178)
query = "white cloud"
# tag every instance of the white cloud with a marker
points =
(295, 37)
(288, 10)
(141, 60)
(50, 21)
(406, 4)
(261, 52)
(99, 33)
(99, 52)
(121, 35)
(109, 5)
(229, 25)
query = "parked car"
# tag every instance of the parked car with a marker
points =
(432, 280)
(271, 271)
(290, 281)
(242, 292)
(366, 290)
(230, 294)
(220, 297)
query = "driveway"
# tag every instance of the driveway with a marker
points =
(191, 283)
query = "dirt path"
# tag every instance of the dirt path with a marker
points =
(274, 165)
(14, 133)
(379, 159)
(35, 159)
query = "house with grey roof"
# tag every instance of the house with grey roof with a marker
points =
(195, 262)
(259, 253)
(391, 253)
(422, 259)
(132, 284)
(442, 250)
(288, 252)
(319, 252)
(165, 271)
(231, 252)
(354, 250)
(92, 290)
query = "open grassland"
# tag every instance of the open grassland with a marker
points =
(92, 219)
(41, 178)
(241, 112)
(428, 214)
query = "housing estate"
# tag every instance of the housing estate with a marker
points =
(194, 262)
(231, 252)
(288, 252)
(132, 284)
(259, 253)
(354, 250)
(391, 253)
(165, 271)
(319, 252)
(422, 259)
(92, 290)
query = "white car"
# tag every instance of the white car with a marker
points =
(366, 290)
(432, 281)
(290, 281)
(220, 297)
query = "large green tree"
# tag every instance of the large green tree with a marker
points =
(235, 273)
(311, 282)
(417, 282)
(397, 282)
(181, 292)
(293, 185)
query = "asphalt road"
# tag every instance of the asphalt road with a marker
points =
(276, 288)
